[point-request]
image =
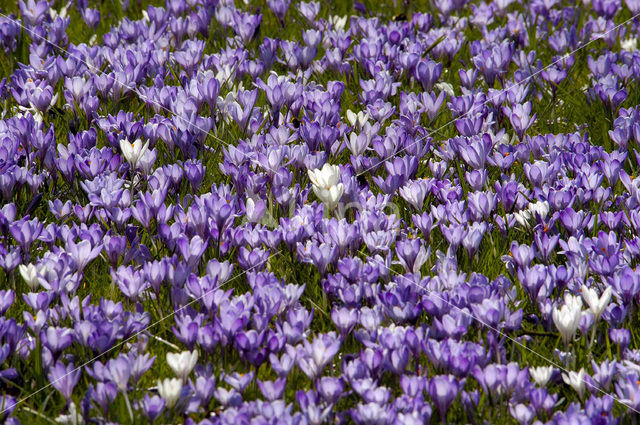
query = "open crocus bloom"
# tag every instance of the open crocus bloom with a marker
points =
(326, 184)
(132, 152)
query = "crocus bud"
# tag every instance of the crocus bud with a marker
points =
(132, 152)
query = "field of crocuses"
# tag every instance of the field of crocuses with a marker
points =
(349, 212)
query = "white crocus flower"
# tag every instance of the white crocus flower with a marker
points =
(132, 152)
(541, 374)
(326, 184)
(338, 22)
(62, 13)
(509, 139)
(522, 217)
(596, 303)
(445, 87)
(170, 389)
(224, 73)
(22, 111)
(182, 363)
(73, 418)
(576, 381)
(327, 176)
(29, 273)
(540, 207)
(630, 44)
(567, 318)
(360, 118)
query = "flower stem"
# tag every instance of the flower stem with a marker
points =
(126, 399)
(593, 336)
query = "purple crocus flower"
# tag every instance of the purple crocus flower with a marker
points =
(344, 319)
(272, 390)
(279, 8)
(313, 357)
(152, 406)
(33, 12)
(628, 391)
(427, 73)
(620, 337)
(64, 378)
(443, 390)
(26, 232)
(412, 254)
(7, 297)
(83, 252)
(56, 339)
